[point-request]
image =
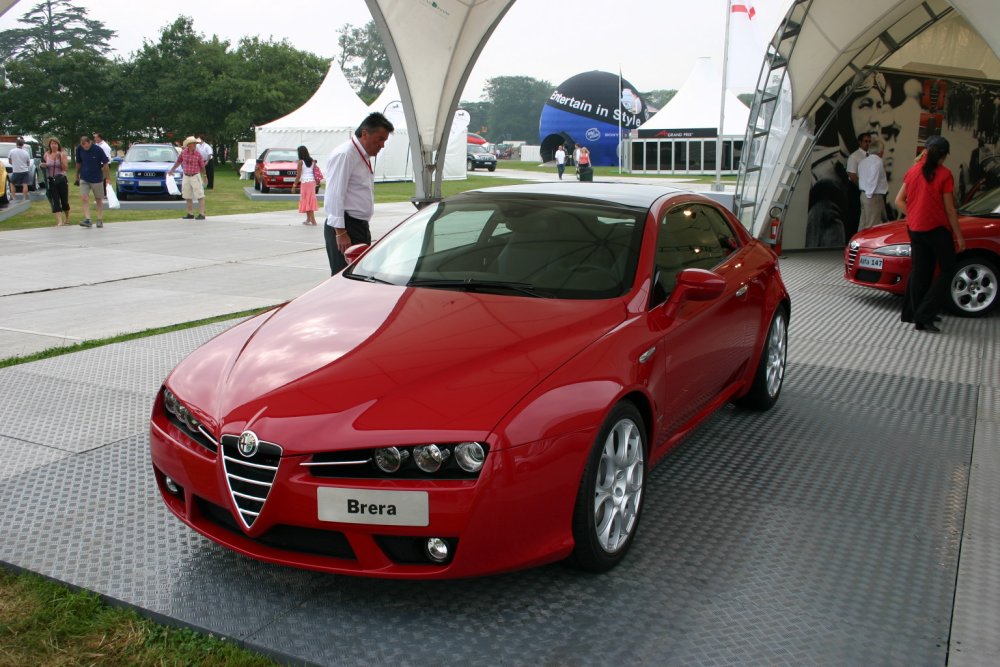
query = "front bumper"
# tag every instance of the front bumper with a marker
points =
(517, 514)
(143, 186)
(891, 276)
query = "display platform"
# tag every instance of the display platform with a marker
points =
(847, 526)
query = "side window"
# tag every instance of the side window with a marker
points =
(691, 236)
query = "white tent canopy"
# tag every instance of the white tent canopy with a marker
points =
(324, 122)
(696, 104)
(394, 162)
(433, 47)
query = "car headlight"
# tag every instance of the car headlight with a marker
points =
(430, 457)
(177, 409)
(897, 250)
(126, 174)
(273, 172)
(470, 456)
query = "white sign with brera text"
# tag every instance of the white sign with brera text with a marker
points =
(365, 506)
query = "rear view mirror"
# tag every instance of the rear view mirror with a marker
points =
(698, 285)
(354, 253)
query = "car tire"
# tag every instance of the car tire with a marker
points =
(770, 375)
(469, 166)
(122, 196)
(609, 501)
(264, 188)
(34, 182)
(973, 288)
(493, 168)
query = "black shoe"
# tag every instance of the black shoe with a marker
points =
(926, 327)
(188, 217)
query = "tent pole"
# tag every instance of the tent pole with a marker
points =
(717, 186)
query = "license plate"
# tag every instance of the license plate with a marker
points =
(151, 184)
(869, 262)
(288, 179)
(382, 508)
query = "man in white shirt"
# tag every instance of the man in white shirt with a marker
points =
(874, 186)
(350, 189)
(205, 148)
(103, 145)
(864, 141)
(560, 160)
(21, 165)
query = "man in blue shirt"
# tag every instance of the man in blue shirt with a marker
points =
(91, 174)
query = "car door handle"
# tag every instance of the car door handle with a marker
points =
(644, 357)
(742, 291)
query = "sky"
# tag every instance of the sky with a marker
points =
(653, 42)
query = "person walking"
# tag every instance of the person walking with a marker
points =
(306, 176)
(193, 167)
(927, 198)
(205, 148)
(874, 186)
(91, 175)
(56, 164)
(21, 165)
(103, 145)
(585, 170)
(560, 160)
(350, 189)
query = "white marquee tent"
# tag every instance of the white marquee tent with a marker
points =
(394, 161)
(692, 118)
(324, 122)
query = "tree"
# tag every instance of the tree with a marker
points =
(55, 26)
(658, 98)
(516, 106)
(364, 60)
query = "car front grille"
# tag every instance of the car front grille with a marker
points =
(330, 543)
(868, 276)
(149, 174)
(852, 258)
(249, 478)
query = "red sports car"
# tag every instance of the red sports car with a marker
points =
(485, 389)
(276, 168)
(880, 257)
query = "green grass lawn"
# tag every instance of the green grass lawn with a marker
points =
(226, 198)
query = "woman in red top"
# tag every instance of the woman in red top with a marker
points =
(927, 197)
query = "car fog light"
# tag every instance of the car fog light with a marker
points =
(171, 486)
(470, 456)
(437, 549)
(389, 459)
(430, 457)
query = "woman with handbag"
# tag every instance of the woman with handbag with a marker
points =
(309, 175)
(56, 162)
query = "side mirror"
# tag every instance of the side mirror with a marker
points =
(698, 285)
(354, 253)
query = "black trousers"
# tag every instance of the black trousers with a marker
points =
(359, 232)
(926, 294)
(210, 173)
(57, 191)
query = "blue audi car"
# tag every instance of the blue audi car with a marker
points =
(144, 170)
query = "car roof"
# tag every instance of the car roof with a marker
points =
(625, 194)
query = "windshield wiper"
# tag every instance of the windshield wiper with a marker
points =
(474, 285)
(367, 279)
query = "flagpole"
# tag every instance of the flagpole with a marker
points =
(621, 142)
(722, 106)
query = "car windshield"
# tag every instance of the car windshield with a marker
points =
(517, 245)
(281, 156)
(985, 204)
(151, 154)
(476, 148)
(5, 149)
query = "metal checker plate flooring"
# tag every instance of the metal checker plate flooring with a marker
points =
(840, 528)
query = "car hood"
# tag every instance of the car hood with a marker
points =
(281, 165)
(350, 364)
(973, 228)
(145, 166)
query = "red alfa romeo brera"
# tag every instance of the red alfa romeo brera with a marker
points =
(484, 389)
